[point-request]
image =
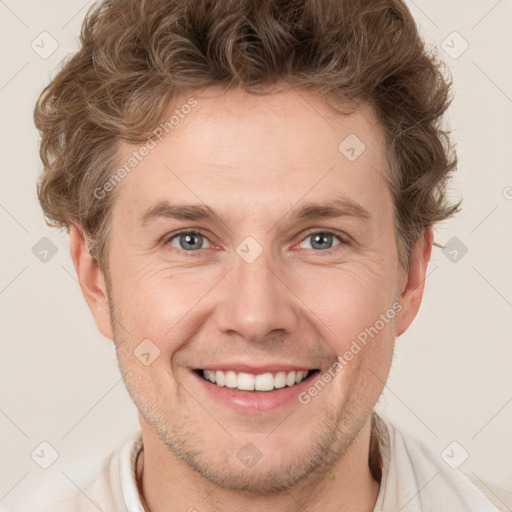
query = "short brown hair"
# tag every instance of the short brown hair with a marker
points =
(137, 55)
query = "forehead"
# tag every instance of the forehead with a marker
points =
(234, 149)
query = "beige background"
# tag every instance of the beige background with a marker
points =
(451, 377)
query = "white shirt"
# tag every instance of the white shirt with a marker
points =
(413, 480)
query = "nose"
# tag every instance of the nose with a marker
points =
(256, 301)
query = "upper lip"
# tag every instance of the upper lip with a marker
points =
(256, 369)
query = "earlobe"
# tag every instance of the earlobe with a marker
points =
(412, 290)
(91, 279)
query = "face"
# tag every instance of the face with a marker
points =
(250, 248)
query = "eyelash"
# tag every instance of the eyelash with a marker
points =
(340, 236)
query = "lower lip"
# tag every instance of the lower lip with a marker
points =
(256, 401)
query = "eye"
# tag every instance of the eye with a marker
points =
(188, 241)
(193, 241)
(323, 240)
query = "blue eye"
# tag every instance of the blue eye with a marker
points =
(188, 241)
(323, 240)
(192, 241)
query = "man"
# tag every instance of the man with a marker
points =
(250, 189)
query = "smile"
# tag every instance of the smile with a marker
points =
(255, 382)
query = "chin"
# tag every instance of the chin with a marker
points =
(264, 478)
(256, 464)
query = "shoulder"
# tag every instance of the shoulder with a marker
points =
(420, 474)
(106, 489)
(496, 495)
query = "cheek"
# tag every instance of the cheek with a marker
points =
(157, 302)
(349, 302)
(151, 299)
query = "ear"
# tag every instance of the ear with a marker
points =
(92, 282)
(413, 281)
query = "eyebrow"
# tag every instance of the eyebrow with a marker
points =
(343, 207)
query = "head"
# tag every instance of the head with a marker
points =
(249, 183)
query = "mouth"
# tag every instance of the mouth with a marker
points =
(261, 382)
(254, 387)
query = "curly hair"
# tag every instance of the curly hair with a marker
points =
(136, 56)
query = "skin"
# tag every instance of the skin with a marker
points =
(256, 160)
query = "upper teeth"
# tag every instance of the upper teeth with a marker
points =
(250, 382)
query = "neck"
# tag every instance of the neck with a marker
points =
(352, 484)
